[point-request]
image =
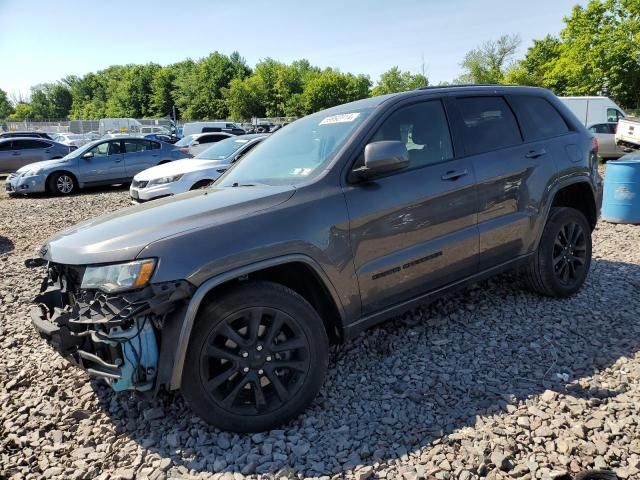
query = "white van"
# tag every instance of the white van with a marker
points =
(594, 110)
(119, 125)
(206, 127)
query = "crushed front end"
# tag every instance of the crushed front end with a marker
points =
(124, 338)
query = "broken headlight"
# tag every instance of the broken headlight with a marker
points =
(118, 277)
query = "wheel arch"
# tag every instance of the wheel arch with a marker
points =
(577, 194)
(55, 172)
(285, 270)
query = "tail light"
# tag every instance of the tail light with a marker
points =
(184, 149)
(595, 145)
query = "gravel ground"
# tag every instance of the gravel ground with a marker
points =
(493, 382)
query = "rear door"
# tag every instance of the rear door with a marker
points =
(8, 156)
(606, 135)
(139, 155)
(31, 150)
(514, 163)
(413, 230)
(105, 165)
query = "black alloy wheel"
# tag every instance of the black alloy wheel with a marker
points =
(256, 358)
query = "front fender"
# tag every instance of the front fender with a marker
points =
(196, 300)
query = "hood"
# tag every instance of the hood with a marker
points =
(47, 164)
(121, 235)
(175, 168)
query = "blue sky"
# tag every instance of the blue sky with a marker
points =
(43, 41)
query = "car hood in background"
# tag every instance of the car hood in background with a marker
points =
(121, 235)
(176, 168)
(48, 164)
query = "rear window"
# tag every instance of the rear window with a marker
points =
(489, 124)
(26, 144)
(538, 118)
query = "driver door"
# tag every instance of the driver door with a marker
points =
(103, 164)
(414, 230)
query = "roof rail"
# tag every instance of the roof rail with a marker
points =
(433, 87)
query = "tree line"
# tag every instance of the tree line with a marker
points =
(596, 53)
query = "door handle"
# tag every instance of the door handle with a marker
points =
(15, 154)
(454, 174)
(536, 153)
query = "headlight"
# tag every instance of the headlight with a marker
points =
(163, 180)
(119, 277)
(31, 172)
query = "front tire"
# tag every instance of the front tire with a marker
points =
(257, 358)
(61, 183)
(561, 264)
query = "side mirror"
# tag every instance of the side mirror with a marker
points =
(195, 143)
(383, 157)
(88, 155)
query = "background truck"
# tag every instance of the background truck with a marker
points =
(628, 133)
(593, 110)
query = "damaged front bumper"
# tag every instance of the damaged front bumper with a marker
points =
(121, 338)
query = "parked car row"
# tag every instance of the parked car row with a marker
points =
(103, 162)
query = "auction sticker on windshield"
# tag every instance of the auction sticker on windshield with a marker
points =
(342, 118)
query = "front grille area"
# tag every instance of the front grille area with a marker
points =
(139, 184)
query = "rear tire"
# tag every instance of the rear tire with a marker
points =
(561, 264)
(62, 183)
(257, 358)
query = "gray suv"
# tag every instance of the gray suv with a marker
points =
(338, 221)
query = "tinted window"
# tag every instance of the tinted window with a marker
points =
(424, 130)
(115, 148)
(602, 128)
(489, 124)
(24, 144)
(613, 115)
(4, 146)
(210, 129)
(149, 145)
(538, 118)
(133, 146)
(211, 138)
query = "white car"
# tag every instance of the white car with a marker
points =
(193, 173)
(72, 139)
(198, 142)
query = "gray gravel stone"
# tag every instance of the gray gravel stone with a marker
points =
(492, 375)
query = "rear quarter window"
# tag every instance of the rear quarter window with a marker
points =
(538, 118)
(488, 124)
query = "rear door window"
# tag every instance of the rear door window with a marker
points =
(29, 144)
(538, 118)
(149, 145)
(489, 124)
(5, 146)
(601, 128)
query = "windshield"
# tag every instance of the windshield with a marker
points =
(223, 149)
(185, 141)
(297, 152)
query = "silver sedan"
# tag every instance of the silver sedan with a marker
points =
(18, 152)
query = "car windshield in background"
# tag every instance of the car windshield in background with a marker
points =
(185, 141)
(223, 149)
(296, 153)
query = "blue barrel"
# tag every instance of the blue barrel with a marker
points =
(621, 201)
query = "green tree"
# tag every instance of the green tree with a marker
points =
(490, 62)
(6, 108)
(22, 111)
(600, 52)
(539, 60)
(199, 93)
(394, 80)
(331, 88)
